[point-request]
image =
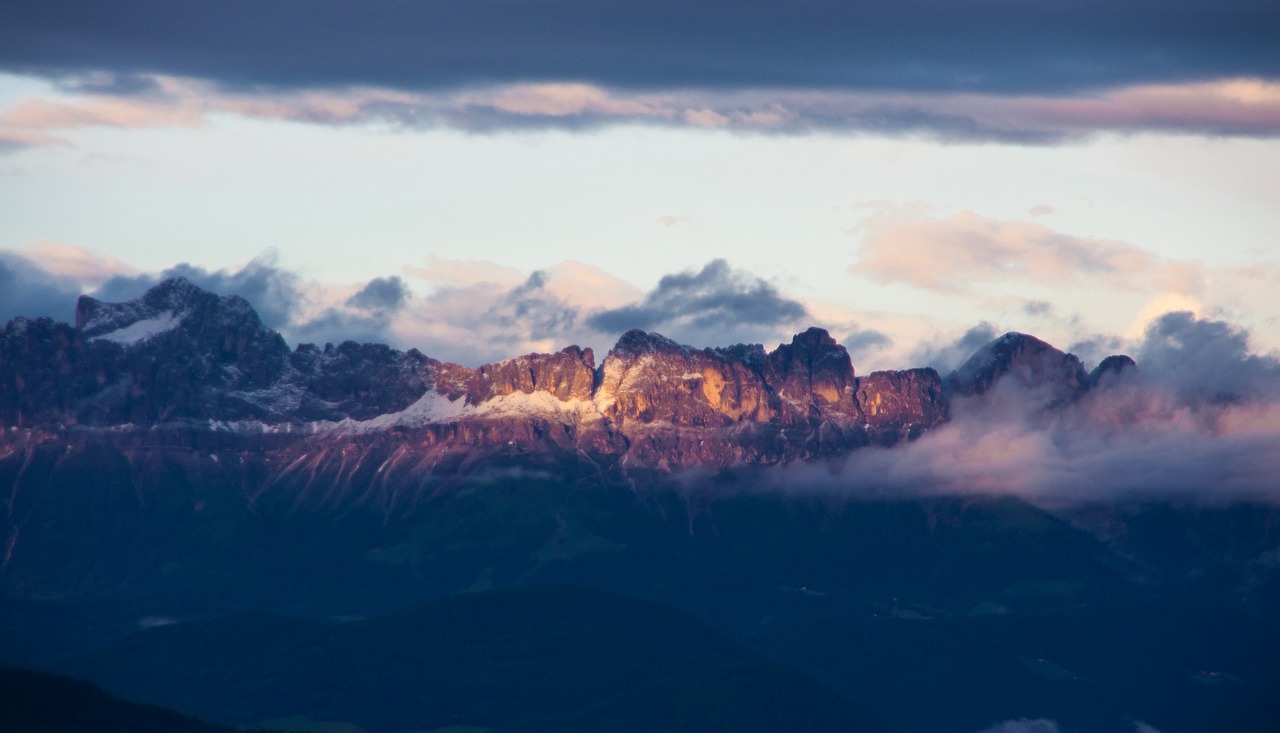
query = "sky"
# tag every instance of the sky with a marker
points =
(486, 178)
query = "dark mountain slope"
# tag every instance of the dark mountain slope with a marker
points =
(39, 702)
(527, 658)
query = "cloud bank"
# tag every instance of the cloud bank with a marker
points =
(996, 46)
(1197, 420)
(1243, 106)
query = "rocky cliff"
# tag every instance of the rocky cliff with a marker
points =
(184, 366)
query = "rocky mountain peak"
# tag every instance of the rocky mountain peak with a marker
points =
(1111, 368)
(172, 303)
(637, 341)
(812, 370)
(1032, 362)
(566, 375)
(648, 378)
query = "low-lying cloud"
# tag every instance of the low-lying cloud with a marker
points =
(1198, 419)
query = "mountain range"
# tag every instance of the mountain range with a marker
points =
(181, 361)
(180, 483)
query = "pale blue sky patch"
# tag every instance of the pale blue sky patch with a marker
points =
(198, 177)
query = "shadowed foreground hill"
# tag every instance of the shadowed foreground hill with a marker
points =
(38, 702)
(518, 659)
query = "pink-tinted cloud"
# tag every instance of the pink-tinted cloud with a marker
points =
(954, 253)
(65, 259)
(34, 113)
(1228, 107)
(562, 100)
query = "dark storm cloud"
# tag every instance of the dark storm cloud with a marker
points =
(28, 290)
(985, 45)
(716, 297)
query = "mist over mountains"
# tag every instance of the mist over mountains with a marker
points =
(1097, 541)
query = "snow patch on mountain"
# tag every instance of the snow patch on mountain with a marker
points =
(536, 404)
(140, 331)
(431, 407)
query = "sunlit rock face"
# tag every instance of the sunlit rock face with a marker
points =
(568, 375)
(648, 379)
(813, 374)
(901, 404)
(184, 366)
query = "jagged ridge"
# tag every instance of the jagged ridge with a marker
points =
(187, 360)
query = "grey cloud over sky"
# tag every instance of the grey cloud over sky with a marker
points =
(1207, 358)
(1000, 46)
(715, 302)
(470, 322)
(1008, 71)
(28, 290)
(862, 340)
(381, 294)
(947, 356)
